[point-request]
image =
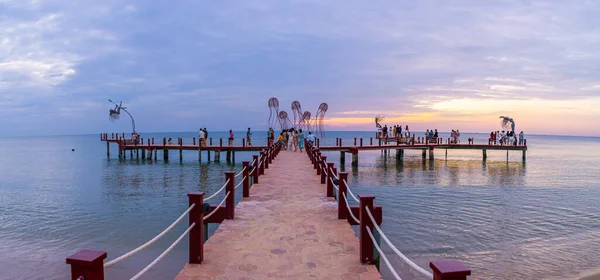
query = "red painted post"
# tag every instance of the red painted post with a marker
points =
(267, 158)
(323, 166)
(255, 166)
(142, 141)
(366, 244)
(329, 179)
(379, 141)
(230, 202)
(524, 142)
(211, 141)
(152, 140)
(87, 264)
(271, 154)
(318, 143)
(123, 135)
(113, 136)
(244, 142)
(220, 142)
(371, 144)
(342, 190)
(246, 175)
(318, 163)
(354, 141)
(340, 142)
(449, 270)
(337, 141)
(164, 141)
(196, 239)
(261, 170)
(194, 143)
(361, 142)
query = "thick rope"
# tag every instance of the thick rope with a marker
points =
(137, 276)
(241, 172)
(350, 210)
(216, 193)
(333, 184)
(333, 173)
(383, 255)
(145, 245)
(408, 261)
(217, 208)
(240, 183)
(350, 192)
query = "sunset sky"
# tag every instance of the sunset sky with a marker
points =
(181, 65)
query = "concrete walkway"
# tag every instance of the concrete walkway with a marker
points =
(286, 229)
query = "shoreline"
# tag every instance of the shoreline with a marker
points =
(592, 274)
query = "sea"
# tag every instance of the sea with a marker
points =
(504, 218)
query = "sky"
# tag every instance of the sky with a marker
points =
(181, 65)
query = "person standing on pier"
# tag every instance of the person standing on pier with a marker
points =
(170, 142)
(248, 136)
(280, 140)
(521, 138)
(230, 137)
(301, 140)
(311, 138)
(205, 136)
(270, 136)
(201, 138)
(295, 140)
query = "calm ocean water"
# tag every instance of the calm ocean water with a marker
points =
(504, 219)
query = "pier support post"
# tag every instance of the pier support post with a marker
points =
(399, 154)
(196, 238)
(366, 244)
(217, 155)
(199, 155)
(255, 168)
(228, 156)
(166, 154)
(342, 157)
(156, 154)
(330, 179)
(431, 157)
(424, 154)
(354, 156)
(449, 270)
(107, 149)
(208, 155)
(233, 156)
(143, 153)
(342, 190)
(130, 154)
(524, 155)
(230, 202)
(245, 177)
(484, 154)
(87, 264)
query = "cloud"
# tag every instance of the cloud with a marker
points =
(178, 63)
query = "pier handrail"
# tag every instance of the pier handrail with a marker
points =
(385, 259)
(217, 192)
(350, 210)
(159, 258)
(150, 242)
(402, 256)
(241, 172)
(218, 206)
(240, 183)
(350, 192)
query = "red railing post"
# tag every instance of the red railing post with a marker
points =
(152, 140)
(318, 163)
(220, 142)
(329, 179)
(267, 157)
(255, 166)
(323, 166)
(261, 167)
(244, 142)
(123, 135)
(342, 190)
(246, 175)
(196, 239)
(340, 142)
(354, 141)
(524, 142)
(194, 143)
(113, 136)
(449, 270)
(371, 144)
(366, 244)
(337, 141)
(87, 264)
(211, 141)
(230, 202)
(271, 154)
(361, 142)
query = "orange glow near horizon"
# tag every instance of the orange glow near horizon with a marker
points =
(572, 117)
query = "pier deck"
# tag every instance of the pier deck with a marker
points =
(287, 228)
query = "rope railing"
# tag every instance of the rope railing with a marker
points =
(218, 206)
(217, 192)
(333, 173)
(241, 172)
(333, 184)
(385, 259)
(155, 261)
(389, 243)
(240, 183)
(150, 242)
(350, 192)
(350, 210)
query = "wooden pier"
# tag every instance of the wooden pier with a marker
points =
(353, 146)
(293, 223)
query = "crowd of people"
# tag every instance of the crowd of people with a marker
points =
(291, 139)
(507, 138)
(393, 132)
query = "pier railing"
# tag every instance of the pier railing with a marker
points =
(368, 217)
(90, 265)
